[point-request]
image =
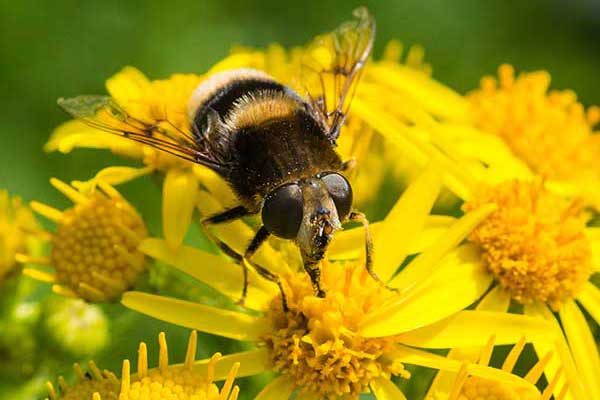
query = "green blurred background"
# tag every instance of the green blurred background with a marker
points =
(64, 48)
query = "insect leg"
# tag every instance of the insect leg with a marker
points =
(314, 272)
(227, 216)
(360, 217)
(260, 237)
(349, 165)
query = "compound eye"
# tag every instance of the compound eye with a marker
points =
(283, 210)
(340, 191)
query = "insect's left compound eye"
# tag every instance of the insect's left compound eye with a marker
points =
(340, 191)
(283, 210)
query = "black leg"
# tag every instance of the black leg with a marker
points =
(226, 216)
(314, 271)
(244, 260)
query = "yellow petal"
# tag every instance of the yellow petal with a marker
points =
(589, 297)
(127, 85)
(179, 198)
(424, 264)
(252, 362)
(214, 270)
(238, 235)
(459, 282)
(562, 359)
(212, 320)
(593, 234)
(75, 133)
(474, 328)
(216, 186)
(349, 244)
(497, 300)
(238, 60)
(415, 146)
(434, 96)
(280, 388)
(405, 221)
(582, 345)
(425, 359)
(113, 176)
(466, 142)
(384, 389)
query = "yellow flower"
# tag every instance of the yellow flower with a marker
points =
(511, 129)
(461, 386)
(166, 382)
(359, 335)
(93, 253)
(540, 253)
(536, 245)
(94, 384)
(177, 382)
(16, 221)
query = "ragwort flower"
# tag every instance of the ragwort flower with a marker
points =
(165, 382)
(500, 146)
(461, 386)
(92, 385)
(16, 222)
(94, 249)
(148, 101)
(510, 128)
(361, 334)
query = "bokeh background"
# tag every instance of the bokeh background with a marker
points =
(64, 48)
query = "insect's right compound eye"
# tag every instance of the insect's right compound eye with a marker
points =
(283, 210)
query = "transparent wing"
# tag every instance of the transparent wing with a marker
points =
(331, 68)
(103, 113)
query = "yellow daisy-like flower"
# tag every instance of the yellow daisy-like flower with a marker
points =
(166, 382)
(177, 382)
(536, 246)
(461, 386)
(148, 101)
(361, 334)
(510, 128)
(94, 249)
(92, 385)
(550, 131)
(16, 221)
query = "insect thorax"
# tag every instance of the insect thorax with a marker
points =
(271, 137)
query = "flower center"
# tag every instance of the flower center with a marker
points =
(475, 388)
(104, 383)
(172, 384)
(94, 249)
(315, 342)
(535, 244)
(175, 382)
(550, 131)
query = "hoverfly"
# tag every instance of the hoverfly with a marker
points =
(275, 148)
